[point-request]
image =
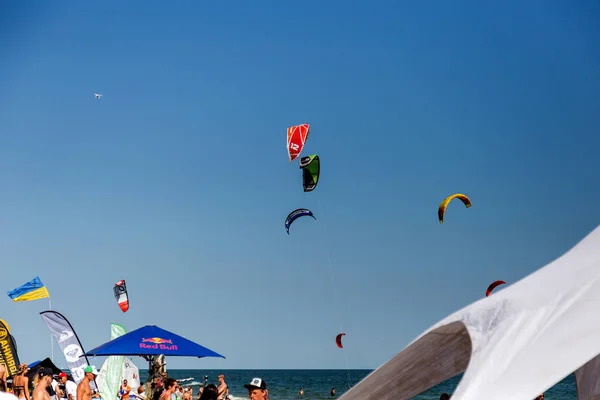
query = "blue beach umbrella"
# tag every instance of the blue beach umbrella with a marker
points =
(150, 340)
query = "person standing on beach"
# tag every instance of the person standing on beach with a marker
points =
(125, 390)
(84, 390)
(2, 373)
(21, 383)
(223, 390)
(40, 391)
(70, 392)
(170, 384)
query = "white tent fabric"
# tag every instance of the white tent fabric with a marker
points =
(514, 344)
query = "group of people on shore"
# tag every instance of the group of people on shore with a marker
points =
(179, 392)
(46, 386)
(172, 390)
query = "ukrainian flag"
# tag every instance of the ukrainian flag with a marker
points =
(32, 290)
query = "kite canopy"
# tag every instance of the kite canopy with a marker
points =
(515, 344)
(493, 286)
(442, 208)
(120, 291)
(310, 166)
(151, 340)
(300, 212)
(296, 137)
(338, 340)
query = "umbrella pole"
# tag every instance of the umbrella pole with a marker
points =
(149, 391)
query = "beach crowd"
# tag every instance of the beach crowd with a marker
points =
(47, 386)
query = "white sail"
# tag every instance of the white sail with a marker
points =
(109, 379)
(132, 374)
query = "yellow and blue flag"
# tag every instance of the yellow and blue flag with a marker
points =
(32, 290)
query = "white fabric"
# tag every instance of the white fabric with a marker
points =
(55, 387)
(109, 380)
(131, 373)
(514, 344)
(7, 396)
(71, 389)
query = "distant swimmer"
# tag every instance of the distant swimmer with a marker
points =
(332, 393)
(98, 95)
(301, 392)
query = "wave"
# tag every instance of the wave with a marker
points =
(192, 383)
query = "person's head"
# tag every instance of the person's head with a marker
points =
(210, 392)
(170, 384)
(45, 376)
(257, 389)
(444, 396)
(540, 397)
(62, 377)
(125, 382)
(90, 372)
(23, 368)
(221, 378)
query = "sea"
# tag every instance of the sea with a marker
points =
(317, 384)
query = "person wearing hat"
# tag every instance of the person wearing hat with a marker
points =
(40, 392)
(257, 389)
(70, 392)
(84, 390)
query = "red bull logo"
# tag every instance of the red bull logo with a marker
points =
(157, 343)
(156, 340)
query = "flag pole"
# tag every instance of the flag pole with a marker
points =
(51, 343)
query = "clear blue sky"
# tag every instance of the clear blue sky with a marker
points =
(178, 181)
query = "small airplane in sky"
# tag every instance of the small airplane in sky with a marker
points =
(98, 95)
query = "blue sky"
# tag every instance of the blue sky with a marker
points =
(177, 180)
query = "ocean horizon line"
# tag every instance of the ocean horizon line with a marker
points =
(266, 369)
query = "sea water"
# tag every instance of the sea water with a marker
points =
(317, 384)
